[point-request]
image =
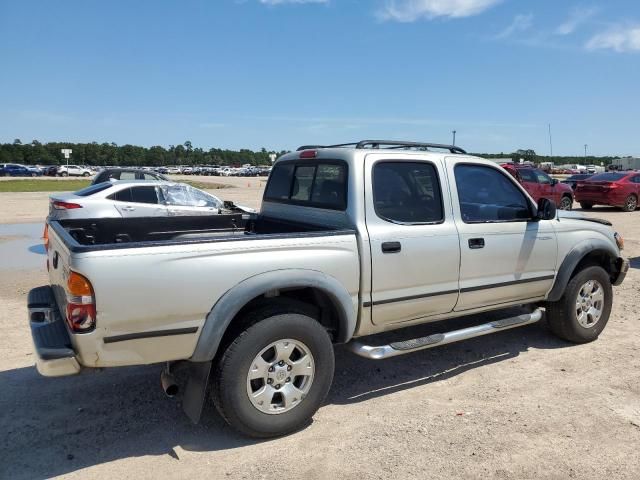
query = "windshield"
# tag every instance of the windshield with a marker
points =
(608, 177)
(186, 195)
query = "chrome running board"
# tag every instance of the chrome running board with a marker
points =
(407, 346)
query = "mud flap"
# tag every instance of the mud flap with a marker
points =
(196, 390)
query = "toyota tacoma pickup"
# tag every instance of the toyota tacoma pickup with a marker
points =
(351, 240)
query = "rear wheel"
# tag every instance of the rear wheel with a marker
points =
(583, 311)
(630, 203)
(566, 203)
(586, 206)
(64, 174)
(274, 376)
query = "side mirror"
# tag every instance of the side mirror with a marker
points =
(546, 209)
(554, 182)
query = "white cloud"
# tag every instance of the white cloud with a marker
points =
(619, 39)
(412, 10)
(577, 17)
(520, 23)
(283, 2)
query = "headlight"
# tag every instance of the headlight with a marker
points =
(619, 240)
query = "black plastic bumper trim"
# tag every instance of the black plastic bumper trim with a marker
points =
(153, 334)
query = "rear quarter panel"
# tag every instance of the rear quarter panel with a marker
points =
(169, 287)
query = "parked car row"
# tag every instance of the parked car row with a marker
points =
(17, 170)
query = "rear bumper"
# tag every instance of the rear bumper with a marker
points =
(55, 356)
(599, 198)
(622, 265)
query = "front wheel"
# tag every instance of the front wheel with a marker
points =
(586, 206)
(630, 203)
(86, 174)
(274, 376)
(566, 203)
(583, 311)
(64, 174)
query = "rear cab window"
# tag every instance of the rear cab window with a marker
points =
(320, 184)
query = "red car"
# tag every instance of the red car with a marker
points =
(540, 185)
(618, 189)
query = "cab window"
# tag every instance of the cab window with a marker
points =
(487, 195)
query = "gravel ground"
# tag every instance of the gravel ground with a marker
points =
(519, 404)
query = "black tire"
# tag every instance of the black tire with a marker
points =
(64, 174)
(630, 203)
(229, 378)
(86, 174)
(586, 206)
(562, 315)
(566, 203)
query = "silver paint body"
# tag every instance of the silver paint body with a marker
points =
(180, 286)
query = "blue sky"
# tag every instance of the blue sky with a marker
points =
(280, 73)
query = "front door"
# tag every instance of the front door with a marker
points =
(139, 201)
(413, 238)
(507, 255)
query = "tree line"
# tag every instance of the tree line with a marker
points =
(131, 155)
(128, 155)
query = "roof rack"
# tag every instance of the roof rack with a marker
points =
(393, 144)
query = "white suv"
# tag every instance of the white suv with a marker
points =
(73, 171)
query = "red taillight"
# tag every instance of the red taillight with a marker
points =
(81, 305)
(308, 154)
(45, 237)
(58, 205)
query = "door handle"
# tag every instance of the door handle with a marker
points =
(128, 209)
(475, 243)
(391, 247)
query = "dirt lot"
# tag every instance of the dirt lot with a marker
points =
(520, 404)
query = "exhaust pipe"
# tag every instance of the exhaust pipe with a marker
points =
(169, 384)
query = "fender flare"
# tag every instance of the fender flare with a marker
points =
(573, 258)
(228, 306)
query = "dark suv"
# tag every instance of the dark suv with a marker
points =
(126, 174)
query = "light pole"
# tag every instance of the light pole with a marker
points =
(454, 137)
(585, 153)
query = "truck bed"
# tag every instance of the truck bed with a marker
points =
(83, 235)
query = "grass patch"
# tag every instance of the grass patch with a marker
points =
(44, 185)
(51, 185)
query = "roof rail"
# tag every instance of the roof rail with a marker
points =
(393, 144)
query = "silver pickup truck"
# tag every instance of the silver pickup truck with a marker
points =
(351, 240)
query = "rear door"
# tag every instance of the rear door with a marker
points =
(507, 256)
(139, 201)
(413, 238)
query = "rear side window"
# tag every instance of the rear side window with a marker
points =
(122, 196)
(128, 176)
(93, 189)
(321, 184)
(407, 192)
(527, 175)
(144, 195)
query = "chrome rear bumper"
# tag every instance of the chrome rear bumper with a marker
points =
(55, 356)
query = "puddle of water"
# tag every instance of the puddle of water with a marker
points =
(22, 248)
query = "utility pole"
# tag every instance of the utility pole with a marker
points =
(454, 137)
(550, 142)
(585, 153)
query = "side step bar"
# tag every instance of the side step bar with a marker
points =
(400, 348)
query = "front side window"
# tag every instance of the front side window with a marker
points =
(543, 178)
(144, 195)
(407, 192)
(321, 184)
(487, 195)
(187, 196)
